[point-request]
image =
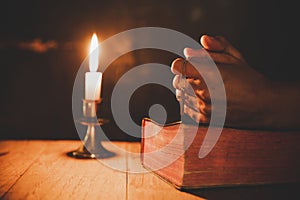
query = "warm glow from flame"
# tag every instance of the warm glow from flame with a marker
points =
(94, 54)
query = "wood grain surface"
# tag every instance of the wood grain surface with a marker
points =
(40, 169)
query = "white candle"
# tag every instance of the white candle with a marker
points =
(93, 79)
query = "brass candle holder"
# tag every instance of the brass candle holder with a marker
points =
(92, 144)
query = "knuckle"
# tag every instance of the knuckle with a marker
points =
(176, 82)
(178, 94)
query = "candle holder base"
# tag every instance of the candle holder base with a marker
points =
(92, 144)
(87, 155)
(83, 153)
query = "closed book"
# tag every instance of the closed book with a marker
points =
(239, 157)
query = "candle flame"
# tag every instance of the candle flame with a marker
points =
(94, 54)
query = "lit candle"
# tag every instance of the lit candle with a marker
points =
(93, 79)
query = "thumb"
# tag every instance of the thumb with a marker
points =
(219, 44)
(211, 43)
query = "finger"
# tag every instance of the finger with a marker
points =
(212, 44)
(177, 67)
(188, 99)
(193, 87)
(217, 57)
(200, 89)
(196, 116)
(199, 53)
(188, 84)
(201, 94)
(194, 103)
(204, 95)
(192, 70)
(219, 44)
(177, 82)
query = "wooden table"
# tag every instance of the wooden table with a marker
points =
(37, 169)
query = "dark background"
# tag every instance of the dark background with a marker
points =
(36, 84)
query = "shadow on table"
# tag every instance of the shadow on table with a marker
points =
(264, 192)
